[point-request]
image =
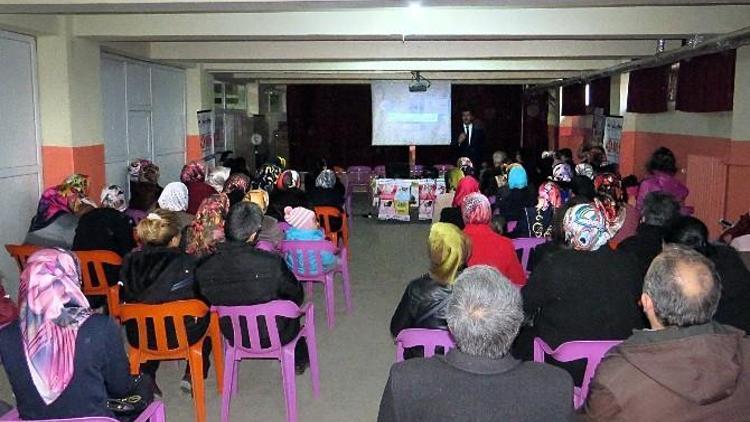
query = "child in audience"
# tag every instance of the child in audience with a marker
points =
(305, 227)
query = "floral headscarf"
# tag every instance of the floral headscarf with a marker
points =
(76, 183)
(561, 172)
(58, 200)
(237, 181)
(585, 169)
(465, 186)
(585, 227)
(476, 209)
(517, 178)
(266, 177)
(207, 230)
(289, 179)
(614, 213)
(549, 192)
(113, 196)
(609, 184)
(144, 171)
(326, 179)
(52, 309)
(193, 172)
(448, 248)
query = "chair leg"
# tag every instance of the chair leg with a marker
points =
(217, 346)
(344, 265)
(135, 360)
(330, 300)
(308, 290)
(196, 378)
(312, 352)
(289, 381)
(230, 369)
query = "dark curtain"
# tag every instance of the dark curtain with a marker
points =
(706, 83)
(574, 100)
(647, 90)
(535, 133)
(599, 94)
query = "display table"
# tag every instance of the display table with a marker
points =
(394, 199)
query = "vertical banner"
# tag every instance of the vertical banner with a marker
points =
(612, 138)
(386, 193)
(402, 200)
(427, 196)
(206, 132)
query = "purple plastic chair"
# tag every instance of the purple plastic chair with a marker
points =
(430, 339)
(155, 412)
(511, 225)
(265, 245)
(307, 249)
(444, 168)
(526, 245)
(284, 226)
(416, 171)
(592, 351)
(358, 177)
(379, 171)
(245, 318)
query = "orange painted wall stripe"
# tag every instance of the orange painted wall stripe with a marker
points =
(59, 162)
(193, 150)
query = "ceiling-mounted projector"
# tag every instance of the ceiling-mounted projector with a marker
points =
(418, 83)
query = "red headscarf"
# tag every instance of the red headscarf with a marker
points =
(466, 185)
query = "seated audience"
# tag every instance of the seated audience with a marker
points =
(658, 212)
(144, 185)
(445, 200)
(609, 185)
(236, 187)
(304, 226)
(662, 169)
(175, 198)
(269, 228)
(328, 192)
(734, 306)
(488, 247)
(478, 380)
(193, 175)
(266, 177)
(467, 167)
(287, 194)
(425, 299)
(536, 221)
(686, 367)
(62, 360)
(584, 292)
(57, 215)
(207, 229)
(160, 273)
(239, 274)
(519, 197)
(556, 240)
(113, 196)
(582, 186)
(452, 214)
(217, 177)
(494, 178)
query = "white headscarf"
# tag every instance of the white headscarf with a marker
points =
(217, 177)
(174, 197)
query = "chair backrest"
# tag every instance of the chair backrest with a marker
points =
(417, 170)
(379, 171)
(265, 245)
(95, 282)
(284, 226)
(159, 315)
(359, 175)
(324, 214)
(246, 319)
(526, 245)
(21, 253)
(592, 351)
(741, 243)
(302, 253)
(430, 339)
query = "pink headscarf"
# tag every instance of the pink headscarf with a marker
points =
(466, 185)
(550, 193)
(193, 172)
(476, 209)
(52, 310)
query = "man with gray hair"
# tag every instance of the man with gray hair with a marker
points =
(479, 380)
(687, 367)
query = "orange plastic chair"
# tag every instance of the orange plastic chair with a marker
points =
(97, 286)
(324, 214)
(21, 253)
(176, 311)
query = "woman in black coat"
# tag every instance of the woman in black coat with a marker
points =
(585, 291)
(328, 192)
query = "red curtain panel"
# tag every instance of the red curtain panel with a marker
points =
(574, 100)
(599, 94)
(706, 83)
(647, 90)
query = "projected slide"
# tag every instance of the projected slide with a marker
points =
(400, 117)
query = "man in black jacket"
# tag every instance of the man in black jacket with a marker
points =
(478, 381)
(470, 140)
(239, 274)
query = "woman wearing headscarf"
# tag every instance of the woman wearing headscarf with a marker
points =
(113, 196)
(58, 212)
(269, 228)
(207, 230)
(236, 187)
(662, 168)
(623, 218)
(536, 221)
(734, 305)
(193, 175)
(425, 299)
(328, 192)
(175, 198)
(217, 177)
(452, 214)
(266, 177)
(445, 200)
(511, 207)
(586, 291)
(488, 247)
(62, 359)
(144, 185)
(287, 194)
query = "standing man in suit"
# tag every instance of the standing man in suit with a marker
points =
(470, 141)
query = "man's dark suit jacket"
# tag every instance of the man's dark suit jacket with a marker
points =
(474, 149)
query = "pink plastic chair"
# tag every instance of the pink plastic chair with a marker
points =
(430, 339)
(265, 245)
(592, 351)
(284, 226)
(526, 245)
(306, 249)
(245, 318)
(155, 412)
(379, 171)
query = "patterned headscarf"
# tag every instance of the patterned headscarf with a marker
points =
(585, 169)
(144, 171)
(517, 178)
(174, 197)
(465, 164)
(326, 179)
(258, 197)
(454, 175)
(465, 186)
(448, 249)
(266, 177)
(76, 183)
(614, 213)
(58, 200)
(52, 309)
(585, 227)
(207, 230)
(476, 209)
(113, 196)
(237, 181)
(193, 172)
(549, 192)
(561, 172)
(217, 176)
(289, 179)
(609, 184)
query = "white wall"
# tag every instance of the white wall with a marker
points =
(20, 179)
(144, 117)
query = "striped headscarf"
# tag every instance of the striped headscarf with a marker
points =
(476, 209)
(52, 309)
(448, 249)
(207, 230)
(585, 227)
(561, 172)
(193, 172)
(113, 196)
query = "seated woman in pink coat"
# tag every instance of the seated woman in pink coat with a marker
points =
(662, 169)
